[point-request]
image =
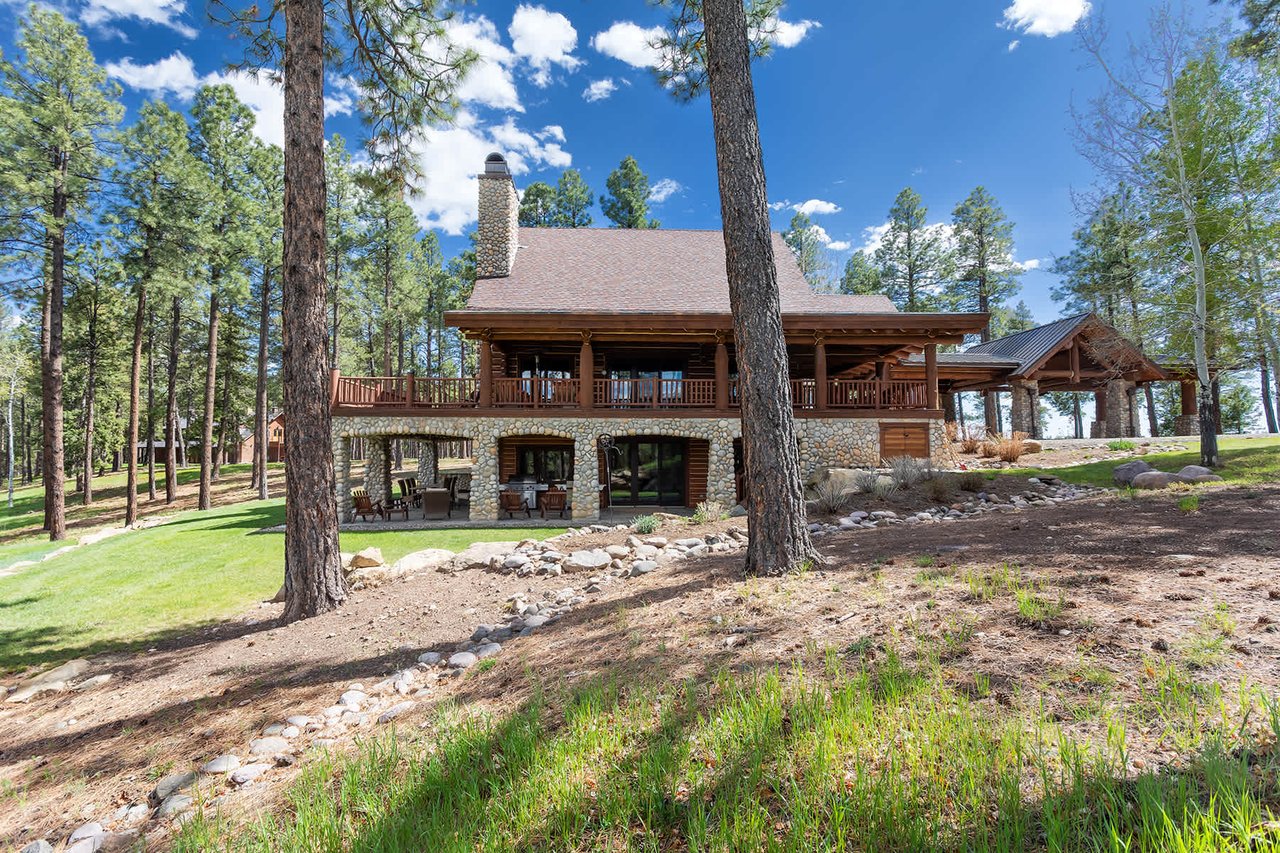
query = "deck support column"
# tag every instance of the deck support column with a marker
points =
(586, 479)
(377, 473)
(820, 373)
(428, 462)
(342, 480)
(1119, 412)
(1188, 421)
(1024, 405)
(931, 377)
(949, 413)
(1098, 429)
(486, 373)
(722, 374)
(586, 374)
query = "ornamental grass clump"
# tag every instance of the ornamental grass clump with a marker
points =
(906, 472)
(830, 497)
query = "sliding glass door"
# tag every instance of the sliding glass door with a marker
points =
(647, 472)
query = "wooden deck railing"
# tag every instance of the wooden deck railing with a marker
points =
(410, 392)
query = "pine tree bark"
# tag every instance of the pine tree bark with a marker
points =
(90, 395)
(313, 571)
(210, 390)
(151, 404)
(260, 413)
(171, 410)
(224, 418)
(775, 497)
(51, 368)
(131, 439)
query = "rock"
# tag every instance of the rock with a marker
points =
(130, 814)
(487, 650)
(88, 830)
(221, 764)
(248, 773)
(642, 567)
(429, 658)
(1160, 646)
(94, 681)
(394, 711)
(535, 620)
(481, 632)
(353, 698)
(620, 552)
(173, 804)
(40, 846)
(298, 720)
(1123, 474)
(738, 511)
(1030, 445)
(515, 561)
(367, 559)
(478, 555)
(462, 660)
(268, 745)
(1203, 478)
(55, 680)
(1195, 471)
(422, 561)
(171, 783)
(273, 729)
(1155, 480)
(587, 561)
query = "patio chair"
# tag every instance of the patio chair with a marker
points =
(396, 505)
(513, 502)
(364, 507)
(462, 490)
(553, 500)
(409, 492)
(436, 502)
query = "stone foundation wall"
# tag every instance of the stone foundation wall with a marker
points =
(830, 442)
(1186, 425)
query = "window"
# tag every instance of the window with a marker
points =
(548, 464)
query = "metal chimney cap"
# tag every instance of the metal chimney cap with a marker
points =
(496, 164)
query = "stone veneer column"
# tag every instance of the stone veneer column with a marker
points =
(498, 215)
(342, 468)
(586, 478)
(1024, 399)
(428, 464)
(1119, 418)
(484, 476)
(720, 482)
(1188, 421)
(376, 475)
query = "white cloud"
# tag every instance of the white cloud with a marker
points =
(873, 235)
(176, 76)
(789, 34)
(630, 43)
(1033, 264)
(543, 39)
(451, 157)
(839, 245)
(599, 90)
(664, 189)
(1013, 45)
(816, 206)
(166, 13)
(780, 205)
(490, 81)
(1045, 17)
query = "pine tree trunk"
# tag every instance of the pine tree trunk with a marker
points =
(991, 411)
(224, 418)
(151, 404)
(131, 440)
(1152, 419)
(171, 410)
(1264, 385)
(261, 413)
(313, 571)
(8, 422)
(51, 379)
(1076, 417)
(775, 497)
(90, 393)
(210, 390)
(28, 467)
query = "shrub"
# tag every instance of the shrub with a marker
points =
(952, 430)
(1121, 444)
(971, 481)
(646, 524)
(905, 471)
(708, 511)
(971, 440)
(1010, 449)
(989, 450)
(884, 487)
(864, 482)
(941, 489)
(1191, 503)
(830, 497)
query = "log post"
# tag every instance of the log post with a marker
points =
(334, 376)
(931, 376)
(722, 374)
(820, 373)
(586, 373)
(486, 373)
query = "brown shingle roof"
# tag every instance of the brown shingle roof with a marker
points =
(658, 271)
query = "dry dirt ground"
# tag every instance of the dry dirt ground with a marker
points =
(1133, 575)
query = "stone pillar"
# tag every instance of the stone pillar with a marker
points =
(428, 463)
(1024, 402)
(1119, 419)
(342, 468)
(484, 478)
(1098, 428)
(586, 479)
(720, 483)
(1188, 422)
(498, 226)
(377, 474)
(931, 376)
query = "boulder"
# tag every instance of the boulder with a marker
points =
(618, 551)
(173, 804)
(367, 559)
(429, 658)
(462, 660)
(1190, 471)
(40, 846)
(368, 577)
(1155, 480)
(248, 773)
(54, 680)
(1203, 478)
(587, 561)
(1030, 445)
(1123, 474)
(422, 561)
(172, 783)
(394, 711)
(221, 764)
(478, 556)
(268, 745)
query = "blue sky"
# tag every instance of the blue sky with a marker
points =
(863, 99)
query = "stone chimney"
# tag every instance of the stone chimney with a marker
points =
(499, 212)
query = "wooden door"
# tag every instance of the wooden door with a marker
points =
(904, 439)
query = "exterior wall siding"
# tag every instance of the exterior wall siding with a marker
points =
(823, 442)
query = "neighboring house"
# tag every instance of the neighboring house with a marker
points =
(275, 442)
(584, 333)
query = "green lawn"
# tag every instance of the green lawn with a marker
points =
(1245, 461)
(835, 756)
(138, 588)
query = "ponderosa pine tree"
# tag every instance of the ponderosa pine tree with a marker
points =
(802, 236)
(268, 187)
(402, 60)
(627, 202)
(58, 107)
(537, 205)
(860, 276)
(913, 257)
(709, 45)
(572, 205)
